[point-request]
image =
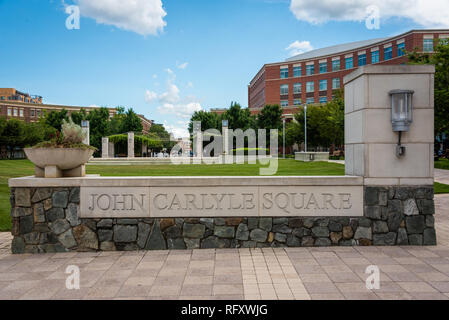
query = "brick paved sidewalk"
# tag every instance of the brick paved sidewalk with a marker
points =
(292, 273)
(441, 176)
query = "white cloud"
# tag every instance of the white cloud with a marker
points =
(171, 103)
(183, 66)
(145, 17)
(427, 13)
(182, 110)
(150, 96)
(171, 95)
(190, 84)
(179, 130)
(169, 71)
(297, 47)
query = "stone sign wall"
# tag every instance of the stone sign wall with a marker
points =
(223, 201)
(48, 220)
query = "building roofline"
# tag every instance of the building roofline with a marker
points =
(258, 74)
(42, 105)
(382, 40)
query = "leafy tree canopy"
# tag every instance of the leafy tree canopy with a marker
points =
(440, 59)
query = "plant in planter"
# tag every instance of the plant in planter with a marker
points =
(64, 155)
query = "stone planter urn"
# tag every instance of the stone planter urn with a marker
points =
(59, 162)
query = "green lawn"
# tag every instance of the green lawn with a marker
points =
(287, 167)
(441, 188)
(442, 164)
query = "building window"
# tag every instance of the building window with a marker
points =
(323, 99)
(388, 53)
(9, 112)
(38, 112)
(310, 100)
(310, 86)
(297, 88)
(375, 57)
(297, 102)
(349, 63)
(296, 72)
(323, 85)
(336, 83)
(362, 60)
(15, 112)
(284, 103)
(21, 113)
(32, 113)
(3, 98)
(401, 49)
(310, 69)
(428, 45)
(323, 67)
(284, 73)
(335, 65)
(444, 41)
(284, 89)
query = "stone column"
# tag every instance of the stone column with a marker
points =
(130, 144)
(105, 147)
(85, 128)
(111, 150)
(398, 190)
(370, 142)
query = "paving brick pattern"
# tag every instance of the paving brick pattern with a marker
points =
(270, 273)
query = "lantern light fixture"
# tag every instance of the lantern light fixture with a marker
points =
(401, 114)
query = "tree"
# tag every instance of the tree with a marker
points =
(131, 122)
(325, 124)
(159, 131)
(13, 133)
(270, 117)
(78, 116)
(54, 118)
(209, 120)
(99, 126)
(294, 133)
(441, 61)
(238, 117)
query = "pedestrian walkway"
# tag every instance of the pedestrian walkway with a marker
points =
(272, 273)
(441, 176)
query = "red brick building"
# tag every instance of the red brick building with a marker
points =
(313, 77)
(30, 110)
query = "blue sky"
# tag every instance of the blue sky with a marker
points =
(167, 59)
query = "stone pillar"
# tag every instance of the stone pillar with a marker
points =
(105, 147)
(111, 150)
(398, 190)
(85, 128)
(130, 144)
(370, 142)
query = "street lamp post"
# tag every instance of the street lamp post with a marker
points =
(283, 138)
(305, 128)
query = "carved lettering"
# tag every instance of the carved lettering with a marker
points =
(268, 200)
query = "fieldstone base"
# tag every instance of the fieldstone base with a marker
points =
(46, 220)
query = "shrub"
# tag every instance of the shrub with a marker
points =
(71, 136)
(72, 133)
